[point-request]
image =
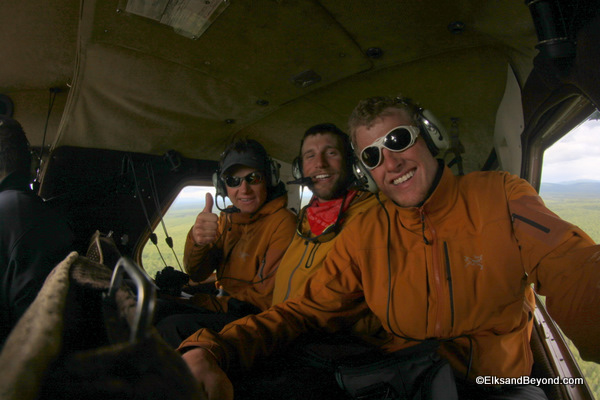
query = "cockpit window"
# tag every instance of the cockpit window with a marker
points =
(177, 221)
(570, 187)
(575, 157)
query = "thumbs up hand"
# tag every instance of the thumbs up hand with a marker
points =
(204, 230)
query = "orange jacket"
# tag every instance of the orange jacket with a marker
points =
(303, 257)
(247, 252)
(460, 267)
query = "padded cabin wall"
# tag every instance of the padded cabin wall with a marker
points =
(98, 190)
(472, 95)
(582, 72)
(139, 80)
(37, 53)
(138, 83)
(509, 126)
(31, 109)
(571, 86)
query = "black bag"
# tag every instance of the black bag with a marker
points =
(417, 372)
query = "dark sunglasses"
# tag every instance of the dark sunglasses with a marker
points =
(398, 139)
(253, 178)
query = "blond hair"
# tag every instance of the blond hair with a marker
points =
(372, 108)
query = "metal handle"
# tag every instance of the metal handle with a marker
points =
(146, 296)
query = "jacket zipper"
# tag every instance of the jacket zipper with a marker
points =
(436, 271)
(262, 267)
(289, 288)
(531, 223)
(423, 227)
(449, 273)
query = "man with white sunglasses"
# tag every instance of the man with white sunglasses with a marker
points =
(443, 257)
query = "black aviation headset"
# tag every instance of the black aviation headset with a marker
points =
(430, 129)
(246, 149)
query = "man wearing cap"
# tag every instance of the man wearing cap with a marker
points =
(243, 245)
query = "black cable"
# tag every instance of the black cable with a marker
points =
(51, 99)
(389, 262)
(168, 239)
(153, 237)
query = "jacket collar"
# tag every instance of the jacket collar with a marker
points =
(360, 202)
(268, 208)
(442, 197)
(440, 200)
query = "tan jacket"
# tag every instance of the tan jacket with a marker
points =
(460, 269)
(247, 252)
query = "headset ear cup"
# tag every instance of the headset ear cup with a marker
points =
(435, 132)
(219, 185)
(297, 168)
(363, 176)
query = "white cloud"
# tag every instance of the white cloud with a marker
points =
(576, 156)
(197, 194)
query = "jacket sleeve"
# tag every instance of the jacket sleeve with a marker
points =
(200, 261)
(333, 299)
(564, 264)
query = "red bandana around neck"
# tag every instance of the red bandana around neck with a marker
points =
(323, 214)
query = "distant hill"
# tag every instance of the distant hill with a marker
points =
(580, 188)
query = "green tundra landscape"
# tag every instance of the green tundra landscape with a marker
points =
(576, 202)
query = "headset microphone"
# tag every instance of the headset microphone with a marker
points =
(305, 180)
(228, 210)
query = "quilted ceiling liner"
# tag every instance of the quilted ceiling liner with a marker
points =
(139, 86)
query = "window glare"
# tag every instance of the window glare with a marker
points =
(305, 195)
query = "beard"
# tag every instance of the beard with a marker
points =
(337, 190)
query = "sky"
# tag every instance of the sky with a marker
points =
(575, 156)
(195, 195)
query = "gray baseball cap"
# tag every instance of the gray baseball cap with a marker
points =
(248, 158)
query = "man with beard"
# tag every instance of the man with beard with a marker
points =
(325, 167)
